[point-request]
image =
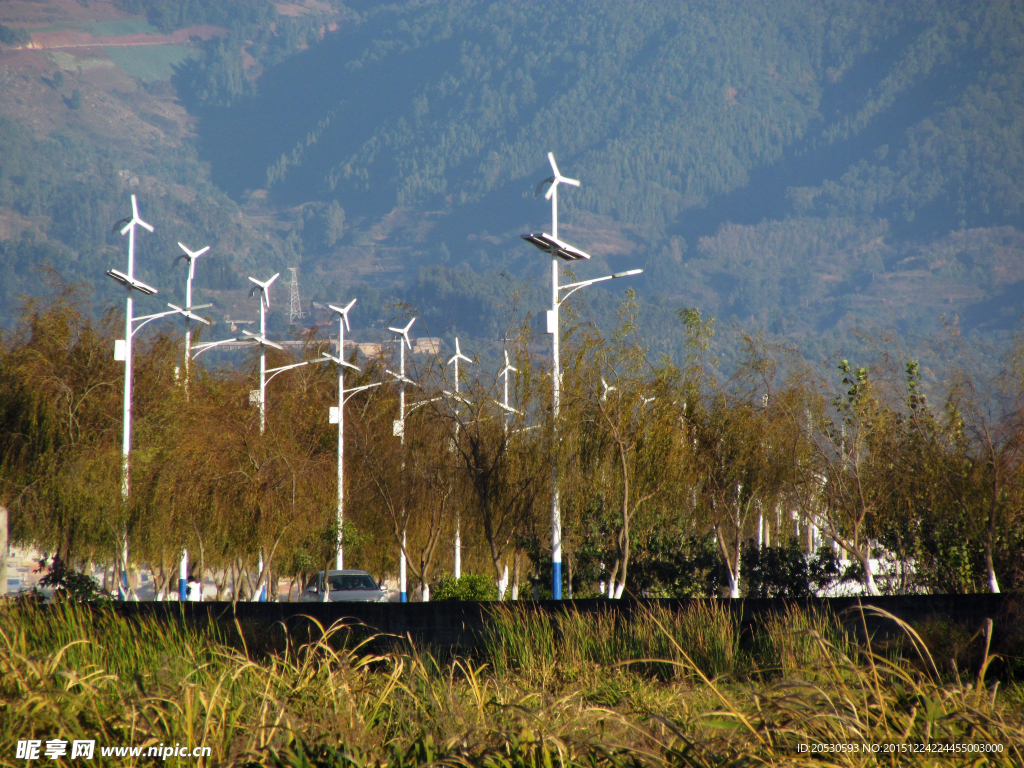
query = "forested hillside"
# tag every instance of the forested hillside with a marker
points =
(798, 168)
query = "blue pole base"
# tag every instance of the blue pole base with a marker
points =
(182, 590)
(405, 597)
(556, 580)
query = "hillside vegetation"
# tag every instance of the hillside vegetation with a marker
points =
(801, 168)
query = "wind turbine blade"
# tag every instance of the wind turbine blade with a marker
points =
(270, 282)
(254, 280)
(193, 254)
(548, 180)
(554, 168)
(143, 224)
(570, 182)
(118, 224)
(135, 208)
(551, 190)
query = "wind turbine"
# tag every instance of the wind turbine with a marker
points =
(458, 517)
(504, 374)
(123, 351)
(552, 194)
(264, 289)
(606, 387)
(191, 257)
(398, 429)
(342, 313)
(550, 243)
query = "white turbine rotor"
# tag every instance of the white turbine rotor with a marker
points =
(404, 332)
(264, 288)
(558, 178)
(508, 366)
(343, 311)
(135, 219)
(458, 354)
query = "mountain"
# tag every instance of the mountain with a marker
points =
(797, 168)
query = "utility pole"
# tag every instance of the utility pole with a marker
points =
(295, 309)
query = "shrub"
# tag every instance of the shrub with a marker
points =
(472, 586)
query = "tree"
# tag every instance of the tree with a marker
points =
(623, 417)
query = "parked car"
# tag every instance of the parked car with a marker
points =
(343, 586)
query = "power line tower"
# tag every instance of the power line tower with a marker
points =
(295, 310)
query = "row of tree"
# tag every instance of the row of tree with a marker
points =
(673, 481)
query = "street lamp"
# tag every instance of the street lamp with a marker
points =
(123, 351)
(187, 311)
(458, 516)
(559, 250)
(261, 339)
(339, 416)
(398, 430)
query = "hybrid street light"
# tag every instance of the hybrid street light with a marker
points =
(458, 517)
(339, 416)
(189, 315)
(123, 351)
(398, 430)
(261, 338)
(504, 385)
(559, 250)
(191, 257)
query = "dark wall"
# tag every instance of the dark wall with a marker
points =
(458, 625)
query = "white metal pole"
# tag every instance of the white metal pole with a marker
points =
(126, 438)
(339, 561)
(188, 320)
(261, 594)
(403, 589)
(263, 366)
(458, 514)
(183, 576)
(556, 382)
(183, 565)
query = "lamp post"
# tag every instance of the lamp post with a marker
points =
(187, 311)
(339, 415)
(261, 339)
(123, 351)
(559, 249)
(398, 430)
(458, 517)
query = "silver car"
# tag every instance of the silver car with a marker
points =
(343, 586)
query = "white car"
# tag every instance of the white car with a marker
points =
(343, 586)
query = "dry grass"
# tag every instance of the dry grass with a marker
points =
(570, 689)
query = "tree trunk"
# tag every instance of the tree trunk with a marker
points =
(869, 577)
(993, 582)
(516, 558)
(732, 568)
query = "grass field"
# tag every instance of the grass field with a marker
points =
(148, 62)
(659, 689)
(122, 27)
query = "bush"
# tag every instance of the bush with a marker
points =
(13, 36)
(71, 584)
(786, 572)
(472, 586)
